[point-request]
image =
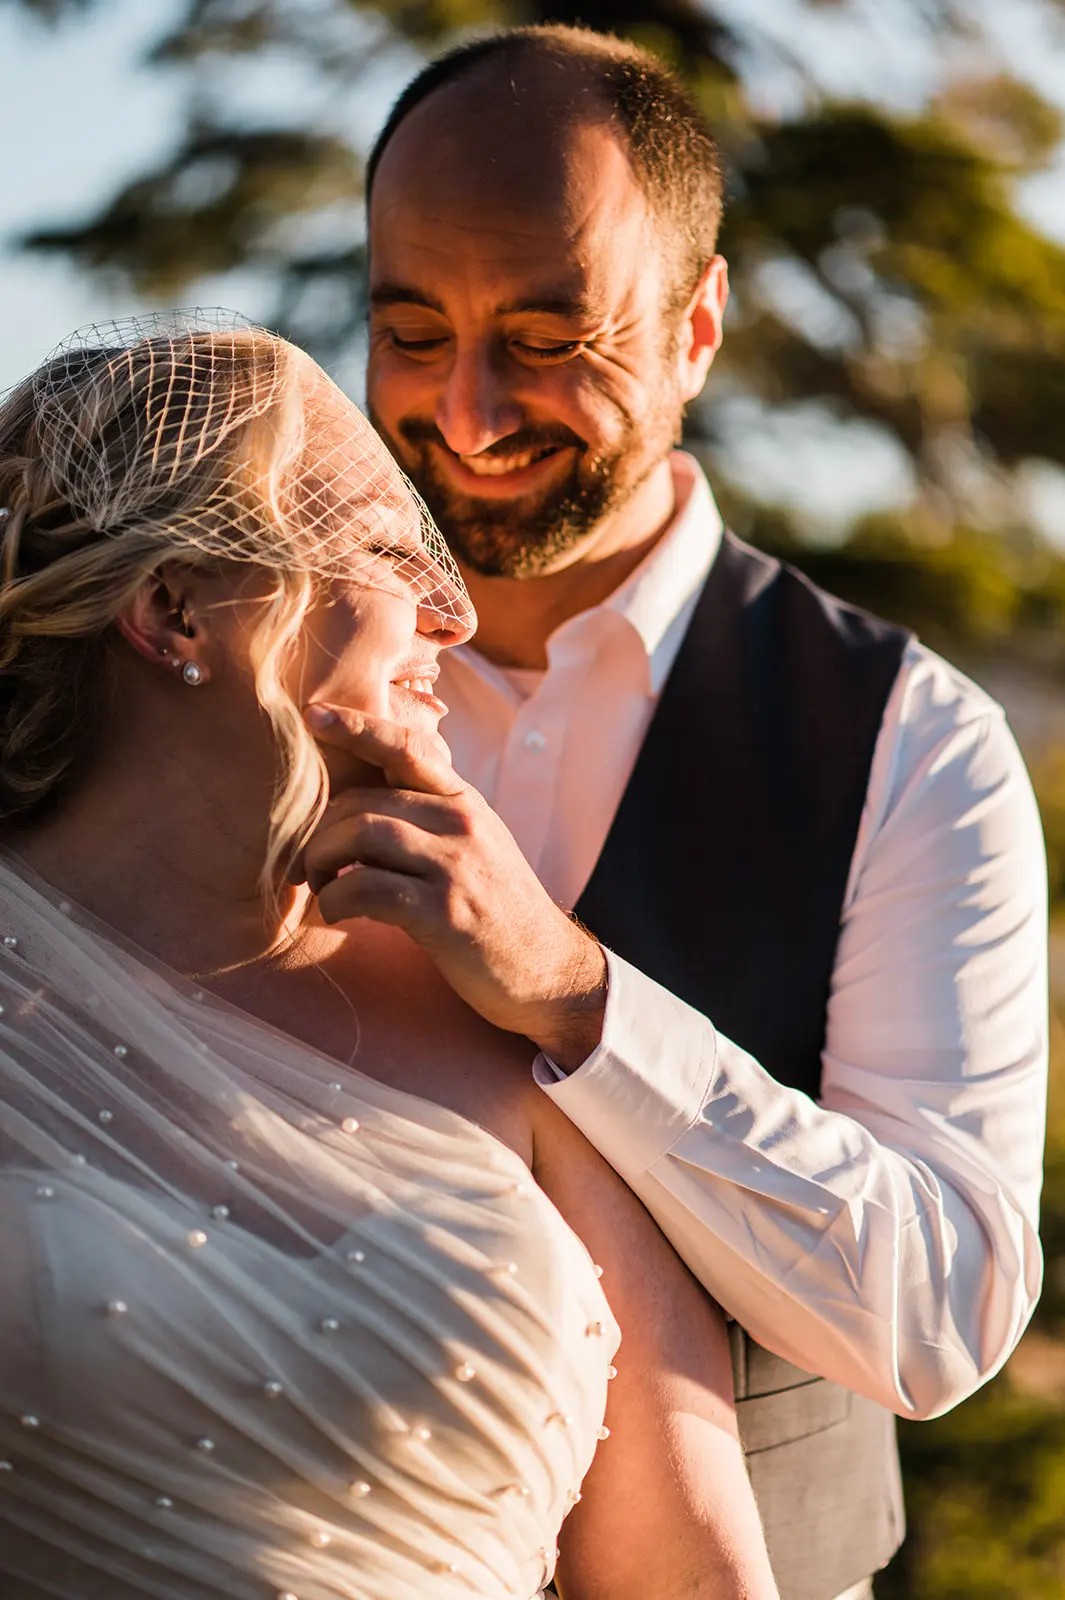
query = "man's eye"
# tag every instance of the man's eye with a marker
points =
(550, 352)
(426, 344)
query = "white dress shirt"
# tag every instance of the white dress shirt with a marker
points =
(884, 1236)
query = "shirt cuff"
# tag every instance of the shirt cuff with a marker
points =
(648, 1079)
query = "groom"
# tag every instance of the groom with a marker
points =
(812, 1038)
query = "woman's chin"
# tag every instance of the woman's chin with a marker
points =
(412, 708)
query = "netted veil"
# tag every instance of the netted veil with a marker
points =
(231, 443)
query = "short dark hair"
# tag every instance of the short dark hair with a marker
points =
(673, 154)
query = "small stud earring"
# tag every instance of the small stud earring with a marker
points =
(192, 674)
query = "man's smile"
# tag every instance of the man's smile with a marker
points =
(495, 476)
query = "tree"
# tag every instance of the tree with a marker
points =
(881, 268)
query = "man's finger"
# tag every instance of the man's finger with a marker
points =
(371, 841)
(407, 759)
(443, 815)
(373, 892)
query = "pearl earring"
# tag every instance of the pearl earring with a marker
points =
(192, 674)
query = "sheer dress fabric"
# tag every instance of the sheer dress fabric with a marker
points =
(269, 1329)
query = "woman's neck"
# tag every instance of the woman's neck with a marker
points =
(167, 859)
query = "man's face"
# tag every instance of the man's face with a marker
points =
(521, 355)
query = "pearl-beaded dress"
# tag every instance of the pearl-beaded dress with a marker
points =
(269, 1329)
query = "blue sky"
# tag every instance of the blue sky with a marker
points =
(83, 116)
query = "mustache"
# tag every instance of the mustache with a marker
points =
(416, 432)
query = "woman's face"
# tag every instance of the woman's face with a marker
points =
(372, 640)
(374, 649)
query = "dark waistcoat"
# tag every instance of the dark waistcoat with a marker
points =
(723, 878)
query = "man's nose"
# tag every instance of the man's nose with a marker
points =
(476, 407)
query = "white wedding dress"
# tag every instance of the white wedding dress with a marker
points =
(268, 1328)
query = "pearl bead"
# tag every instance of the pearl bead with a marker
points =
(319, 1538)
(117, 1308)
(350, 1124)
(560, 1419)
(521, 1191)
(513, 1491)
(121, 1051)
(196, 1238)
(597, 1269)
(573, 1497)
(334, 1088)
(10, 942)
(445, 1567)
(505, 1269)
(28, 1420)
(234, 1166)
(272, 1388)
(164, 1502)
(594, 1330)
(220, 1213)
(205, 1445)
(286, 1594)
(329, 1325)
(45, 1192)
(361, 1489)
(77, 1160)
(6, 1466)
(1, 1011)
(421, 1434)
(465, 1373)
(611, 1372)
(602, 1432)
(356, 1256)
(105, 1117)
(198, 994)
(65, 907)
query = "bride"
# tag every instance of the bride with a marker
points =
(298, 1295)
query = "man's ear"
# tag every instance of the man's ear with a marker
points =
(163, 624)
(700, 333)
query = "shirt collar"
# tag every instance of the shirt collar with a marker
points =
(658, 596)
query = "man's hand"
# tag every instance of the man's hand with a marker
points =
(427, 854)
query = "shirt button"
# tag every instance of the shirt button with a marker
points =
(535, 740)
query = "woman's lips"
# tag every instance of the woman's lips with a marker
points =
(419, 687)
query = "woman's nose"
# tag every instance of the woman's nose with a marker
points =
(446, 616)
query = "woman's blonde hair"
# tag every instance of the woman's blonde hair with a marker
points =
(141, 445)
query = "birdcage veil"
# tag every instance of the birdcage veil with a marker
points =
(232, 444)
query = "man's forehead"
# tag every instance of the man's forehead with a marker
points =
(499, 165)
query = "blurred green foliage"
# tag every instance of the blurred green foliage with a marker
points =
(882, 266)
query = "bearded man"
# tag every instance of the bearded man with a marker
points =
(801, 1005)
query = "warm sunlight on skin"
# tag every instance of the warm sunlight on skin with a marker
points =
(535, 367)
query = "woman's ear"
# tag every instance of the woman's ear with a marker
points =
(702, 328)
(162, 624)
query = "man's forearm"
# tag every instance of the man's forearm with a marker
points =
(906, 1274)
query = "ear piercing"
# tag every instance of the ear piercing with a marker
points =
(191, 672)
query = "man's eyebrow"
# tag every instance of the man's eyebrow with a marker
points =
(403, 294)
(552, 304)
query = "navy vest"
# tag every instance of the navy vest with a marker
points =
(723, 878)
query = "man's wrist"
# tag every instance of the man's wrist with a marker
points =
(570, 1027)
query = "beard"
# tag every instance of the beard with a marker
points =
(526, 536)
